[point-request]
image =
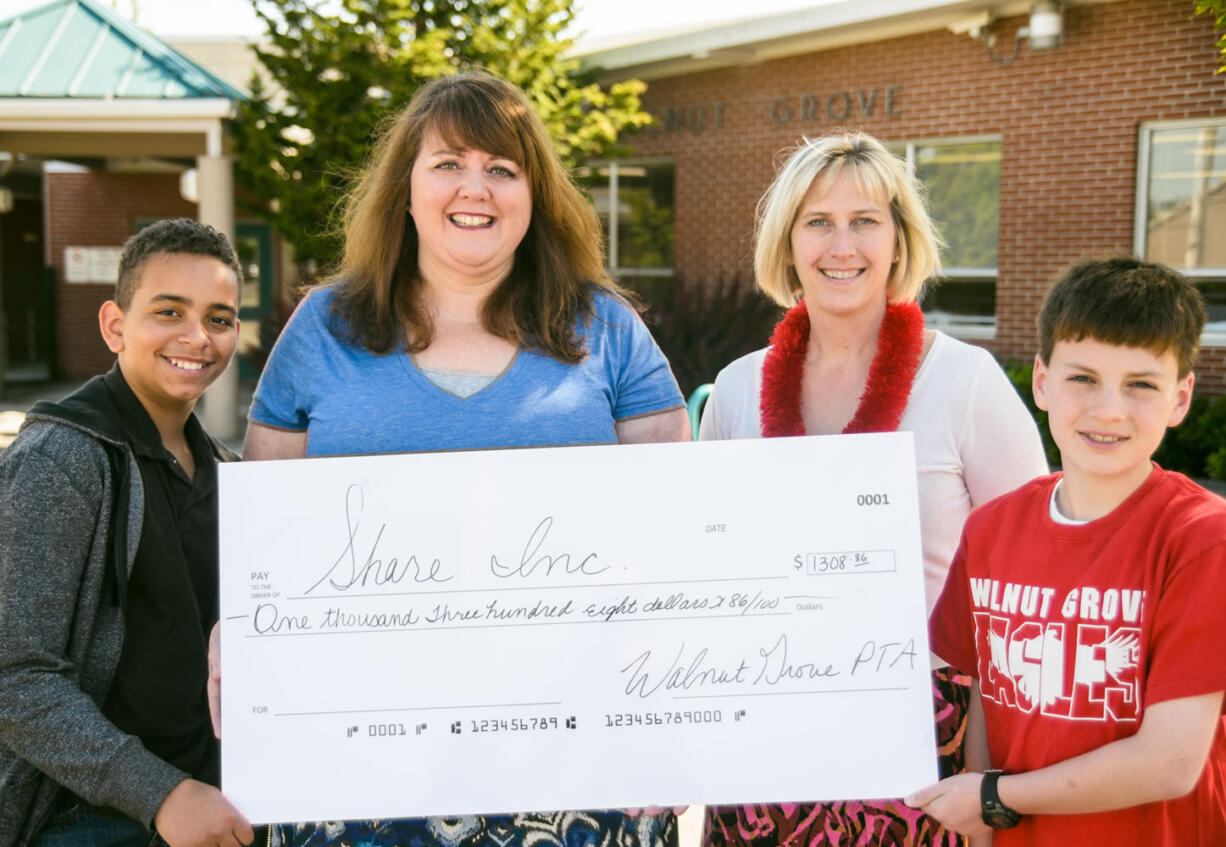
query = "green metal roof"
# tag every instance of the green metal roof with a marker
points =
(81, 49)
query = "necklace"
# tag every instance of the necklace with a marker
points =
(890, 376)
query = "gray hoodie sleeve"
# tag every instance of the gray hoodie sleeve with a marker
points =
(59, 641)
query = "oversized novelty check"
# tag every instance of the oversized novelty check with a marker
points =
(574, 628)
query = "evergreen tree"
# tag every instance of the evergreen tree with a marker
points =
(339, 69)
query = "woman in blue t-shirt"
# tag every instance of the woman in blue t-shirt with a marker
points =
(471, 309)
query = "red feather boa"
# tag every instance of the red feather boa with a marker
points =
(899, 346)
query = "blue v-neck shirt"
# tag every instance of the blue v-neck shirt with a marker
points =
(351, 401)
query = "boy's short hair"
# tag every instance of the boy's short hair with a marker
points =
(1127, 302)
(174, 235)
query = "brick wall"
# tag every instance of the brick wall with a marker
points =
(1068, 120)
(97, 210)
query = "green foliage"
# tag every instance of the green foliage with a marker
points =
(647, 238)
(1197, 447)
(1216, 8)
(963, 184)
(340, 69)
(702, 325)
(1021, 374)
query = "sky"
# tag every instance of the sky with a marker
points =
(599, 18)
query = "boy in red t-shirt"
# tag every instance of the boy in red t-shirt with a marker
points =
(1088, 603)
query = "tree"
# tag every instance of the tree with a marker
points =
(1216, 8)
(338, 74)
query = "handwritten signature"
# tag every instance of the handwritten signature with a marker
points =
(772, 666)
(362, 565)
(345, 572)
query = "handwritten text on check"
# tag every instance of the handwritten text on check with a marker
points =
(574, 628)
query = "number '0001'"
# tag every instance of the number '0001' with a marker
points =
(872, 499)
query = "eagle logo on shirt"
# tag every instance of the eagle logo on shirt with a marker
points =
(1033, 666)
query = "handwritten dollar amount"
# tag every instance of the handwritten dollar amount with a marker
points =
(854, 561)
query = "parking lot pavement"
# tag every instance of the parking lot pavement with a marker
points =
(689, 827)
(10, 422)
(1217, 486)
(19, 397)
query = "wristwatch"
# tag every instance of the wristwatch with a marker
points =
(995, 813)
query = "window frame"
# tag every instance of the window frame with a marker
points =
(611, 253)
(1140, 217)
(906, 148)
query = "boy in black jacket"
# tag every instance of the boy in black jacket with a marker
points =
(108, 571)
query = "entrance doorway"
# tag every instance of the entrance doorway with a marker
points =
(253, 243)
(27, 295)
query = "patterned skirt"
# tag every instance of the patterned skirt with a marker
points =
(855, 823)
(545, 829)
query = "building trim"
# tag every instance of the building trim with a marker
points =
(38, 110)
(759, 39)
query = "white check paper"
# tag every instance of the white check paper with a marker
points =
(574, 628)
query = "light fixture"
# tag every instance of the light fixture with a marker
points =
(1044, 31)
(187, 186)
(1046, 25)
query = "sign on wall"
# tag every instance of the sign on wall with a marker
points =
(831, 108)
(92, 264)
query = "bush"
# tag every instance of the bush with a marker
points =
(1021, 374)
(702, 325)
(1197, 447)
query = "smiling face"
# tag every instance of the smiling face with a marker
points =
(178, 333)
(843, 246)
(1108, 408)
(471, 209)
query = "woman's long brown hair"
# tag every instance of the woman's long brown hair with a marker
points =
(377, 302)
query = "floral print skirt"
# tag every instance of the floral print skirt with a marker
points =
(855, 823)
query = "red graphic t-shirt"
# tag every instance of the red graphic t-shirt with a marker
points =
(1074, 630)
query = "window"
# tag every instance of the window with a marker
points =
(1181, 206)
(962, 177)
(635, 202)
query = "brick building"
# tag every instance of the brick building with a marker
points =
(1112, 141)
(103, 129)
(101, 208)
(73, 201)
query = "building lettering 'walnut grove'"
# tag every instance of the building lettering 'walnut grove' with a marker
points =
(1112, 141)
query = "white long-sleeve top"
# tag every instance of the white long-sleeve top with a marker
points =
(974, 438)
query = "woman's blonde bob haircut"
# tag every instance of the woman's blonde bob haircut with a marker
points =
(377, 302)
(878, 173)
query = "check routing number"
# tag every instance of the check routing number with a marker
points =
(574, 628)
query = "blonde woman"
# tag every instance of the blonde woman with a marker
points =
(844, 241)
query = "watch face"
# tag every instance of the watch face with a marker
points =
(1001, 818)
(995, 813)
